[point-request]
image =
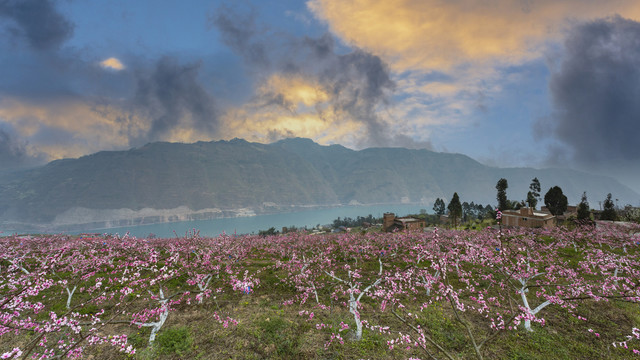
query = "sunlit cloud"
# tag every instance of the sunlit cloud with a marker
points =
(187, 134)
(290, 106)
(440, 35)
(294, 91)
(450, 59)
(300, 106)
(70, 127)
(268, 125)
(112, 64)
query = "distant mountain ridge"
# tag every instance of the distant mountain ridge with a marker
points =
(223, 178)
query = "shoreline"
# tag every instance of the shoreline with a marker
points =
(118, 218)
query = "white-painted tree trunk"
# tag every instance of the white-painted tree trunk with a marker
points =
(202, 287)
(353, 309)
(355, 302)
(157, 325)
(70, 295)
(525, 302)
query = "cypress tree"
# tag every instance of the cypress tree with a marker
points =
(455, 208)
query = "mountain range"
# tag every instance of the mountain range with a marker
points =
(162, 182)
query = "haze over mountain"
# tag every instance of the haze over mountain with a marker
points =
(162, 182)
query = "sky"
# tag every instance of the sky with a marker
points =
(528, 83)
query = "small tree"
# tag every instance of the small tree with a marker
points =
(467, 211)
(555, 201)
(439, 207)
(455, 208)
(534, 193)
(633, 215)
(583, 208)
(515, 204)
(609, 212)
(501, 186)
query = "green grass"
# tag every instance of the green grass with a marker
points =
(175, 340)
(269, 330)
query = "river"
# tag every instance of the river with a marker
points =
(253, 224)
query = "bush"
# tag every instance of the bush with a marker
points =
(633, 215)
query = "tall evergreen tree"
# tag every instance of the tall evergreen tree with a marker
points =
(531, 200)
(609, 212)
(534, 193)
(439, 207)
(455, 208)
(466, 211)
(535, 187)
(583, 208)
(501, 186)
(555, 201)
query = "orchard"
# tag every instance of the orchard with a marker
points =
(494, 293)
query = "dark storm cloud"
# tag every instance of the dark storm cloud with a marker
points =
(36, 21)
(13, 152)
(239, 32)
(596, 92)
(33, 64)
(169, 94)
(358, 82)
(157, 95)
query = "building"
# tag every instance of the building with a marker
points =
(390, 222)
(528, 217)
(571, 211)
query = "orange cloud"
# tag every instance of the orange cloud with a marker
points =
(112, 63)
(288, 106)
(90, 127)
(469, 42)
(294, 90)
(438, 34)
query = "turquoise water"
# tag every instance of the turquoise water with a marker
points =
(253, 224)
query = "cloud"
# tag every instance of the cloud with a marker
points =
(16, 152)
(13, 153)
(62, 105)
(112, 64)
(171, 98)
(240, 33)
(36, 21)
(70, 127)
(595, 92)
(331, 91)
(453, 60)
(442, 35)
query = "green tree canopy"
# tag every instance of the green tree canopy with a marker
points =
(609, 212)
(532, 201)
(583, 208)
(534, 193)
(439, 207)
(555, 201)
(501, 186)
(455, 208)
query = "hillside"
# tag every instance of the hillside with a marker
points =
(447, 294)
(171, 181)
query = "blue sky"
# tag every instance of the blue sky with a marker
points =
(527, 83)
